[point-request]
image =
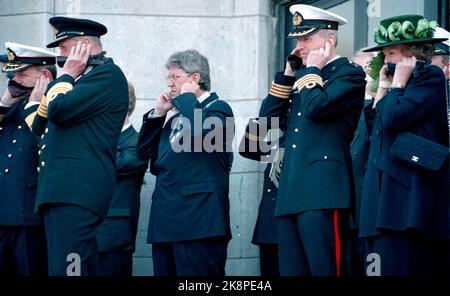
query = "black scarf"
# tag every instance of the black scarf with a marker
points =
(18, 90)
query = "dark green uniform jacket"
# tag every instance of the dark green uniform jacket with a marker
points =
(18, 163)
(79, 144)
(324, 111)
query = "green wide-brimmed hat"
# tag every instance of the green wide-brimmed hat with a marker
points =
(404, 29)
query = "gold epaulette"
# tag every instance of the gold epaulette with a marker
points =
(59, 88)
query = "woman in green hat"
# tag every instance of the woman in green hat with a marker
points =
(405, 202)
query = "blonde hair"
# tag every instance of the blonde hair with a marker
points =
(422, 52)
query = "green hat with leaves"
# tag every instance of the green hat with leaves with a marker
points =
(404, 29)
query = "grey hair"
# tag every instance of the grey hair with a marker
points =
(191, 61)
(50, 68)
(94, 40)
(326, 33)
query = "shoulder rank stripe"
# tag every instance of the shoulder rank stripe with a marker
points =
(59, 88)
(308, 81)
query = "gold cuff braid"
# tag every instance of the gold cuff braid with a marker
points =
(280, 91)
(42, 110)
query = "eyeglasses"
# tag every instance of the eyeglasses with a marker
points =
(176, 77)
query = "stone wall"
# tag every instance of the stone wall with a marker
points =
(237, 36)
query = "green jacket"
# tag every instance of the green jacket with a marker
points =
(79, 144)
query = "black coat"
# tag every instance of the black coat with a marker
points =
(317, 171)
(79, 144)
(398, 195)
(359, 149)
(118, 230)
(190, 200)
(18, 163)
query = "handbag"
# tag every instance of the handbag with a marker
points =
(419, 152)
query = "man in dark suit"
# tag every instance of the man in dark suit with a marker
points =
(325, 95)
(189, 223)
(22, 237)
(258, 148)
(116, 235)
(85, 109)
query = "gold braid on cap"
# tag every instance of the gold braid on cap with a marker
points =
(301, 34)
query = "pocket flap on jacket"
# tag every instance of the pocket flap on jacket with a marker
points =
(197, 188)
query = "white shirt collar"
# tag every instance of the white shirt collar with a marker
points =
(88, 69)
(333, 59)
(203, 97)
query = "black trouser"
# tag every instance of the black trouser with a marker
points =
(354, 257)
(405, 253)
(71, 235)
(202, 257)
(312, 243)
(116, 263)
(268, 260)
(448, 257)
(23, 251)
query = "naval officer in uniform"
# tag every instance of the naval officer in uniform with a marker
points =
(325, 95)
(83, 110)
(23, 250)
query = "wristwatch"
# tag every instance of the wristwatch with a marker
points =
(397, 85)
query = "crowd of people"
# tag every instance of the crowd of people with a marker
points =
(357, 176)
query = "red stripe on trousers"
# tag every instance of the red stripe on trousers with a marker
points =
(337, 241)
